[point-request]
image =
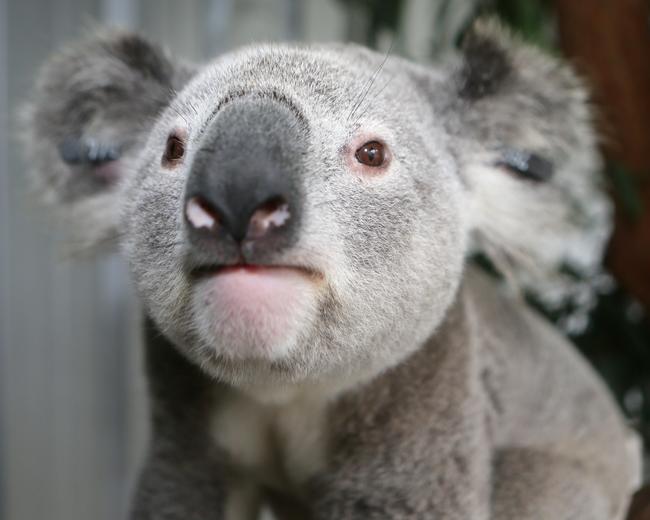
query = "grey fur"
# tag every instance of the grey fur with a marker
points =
(407, 385)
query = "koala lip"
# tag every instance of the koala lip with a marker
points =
(216, 270)
(253, 268)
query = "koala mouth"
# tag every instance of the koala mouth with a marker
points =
(254, 269)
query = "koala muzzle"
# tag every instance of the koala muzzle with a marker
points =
(243, 190)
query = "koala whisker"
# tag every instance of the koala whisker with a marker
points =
(369, 83)
(180, 114)
(325, 203)
(379, 92)
(206, 149)
(193, 107)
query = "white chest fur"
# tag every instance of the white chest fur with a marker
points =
(280, 445)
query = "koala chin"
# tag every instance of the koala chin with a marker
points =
(255, 312)
(300, 223)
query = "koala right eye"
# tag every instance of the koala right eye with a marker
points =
(371, 154)
(174, 150)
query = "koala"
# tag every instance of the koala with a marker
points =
(300, 222)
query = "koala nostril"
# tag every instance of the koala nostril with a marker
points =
(203, 215)
(200, 214)
(272, 214)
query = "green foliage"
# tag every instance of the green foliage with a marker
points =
(626, 189)
(617, 343)
(530, 18)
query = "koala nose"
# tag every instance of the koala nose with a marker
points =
(271, 214)
(243, 189)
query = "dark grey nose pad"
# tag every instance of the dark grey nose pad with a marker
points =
(243, 196)
(272, 214)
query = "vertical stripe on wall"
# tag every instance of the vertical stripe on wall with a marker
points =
(4, 267)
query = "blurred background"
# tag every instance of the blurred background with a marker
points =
(73, 412)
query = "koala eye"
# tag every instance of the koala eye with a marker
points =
(371, 154)
(174, 150)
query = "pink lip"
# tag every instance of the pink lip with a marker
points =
(254, 269)
(246, 268)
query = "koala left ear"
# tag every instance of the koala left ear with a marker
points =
(527, 153)
(92, 108)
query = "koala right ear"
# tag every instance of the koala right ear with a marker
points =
(521, 129)
(89, 115)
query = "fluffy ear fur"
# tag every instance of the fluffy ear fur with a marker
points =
(528, 155)
(91, 110)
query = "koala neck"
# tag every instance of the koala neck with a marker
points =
(324, 389)
(329, 387)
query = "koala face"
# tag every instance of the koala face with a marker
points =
(285, 223)
(302, 214)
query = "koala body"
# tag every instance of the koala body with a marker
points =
(298, 221)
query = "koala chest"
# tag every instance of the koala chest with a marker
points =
(280, 446)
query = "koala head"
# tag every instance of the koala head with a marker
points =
(304, 213)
